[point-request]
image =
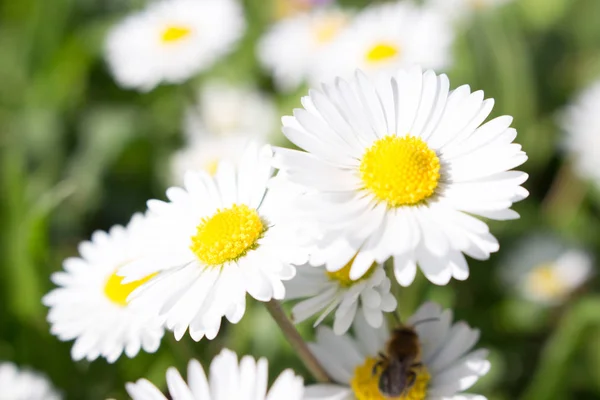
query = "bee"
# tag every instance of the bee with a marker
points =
(401, 358)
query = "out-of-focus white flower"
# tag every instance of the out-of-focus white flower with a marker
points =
(384, 38)
(172, 40)
(400, 167)
(581, 123)
(16, 384)
(546, 271)
(447, 365)
(227, 380)
(221, 237)
(291, 47)
(90, 305)
(205, 155)
(228, 110)
(328, 291)
(461, 9)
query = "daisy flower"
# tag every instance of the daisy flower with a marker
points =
(289, 49)
(227, 380)
(401, 167)
(205, 155)
(445, 368)
(171, 40)
(461, 9)
(90, 304)
(221, 237)
(580, 122)
(545, 271)
(328, 291)
(227, 110)
(16, 384)
(385, 37)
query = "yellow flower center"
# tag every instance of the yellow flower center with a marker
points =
(211, 166)
(174, 33)
(400, 170)
(117, 292)
(382, 52)
(342, 276)
(544, 281)
(365, 383)
(327, 28)
(228, 235)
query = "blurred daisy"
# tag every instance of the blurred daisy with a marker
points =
(385, 37)
(329, 291)
(227, 380)
(545, 271)
(90, 305)
(228, 110)
(171, 40)
(460, 9)
(399, 168)
(581, 122)
(448, 366)
(221, 237)
(286, 8)
(205, 155)
(289, 49)
(16, 384)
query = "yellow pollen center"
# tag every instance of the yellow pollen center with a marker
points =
(382, 52)
(342, 276)
(544, 281)
(211, 166)
(327, 28)
(174, 33)
(228, 235)
(365, 383)
(400, 170)
(117, 292)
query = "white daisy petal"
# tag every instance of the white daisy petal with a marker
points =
(168, 41)
(368, 196)
(215, 243)
(91, 303)
(24, 384)
(228, 380)
(448, 368)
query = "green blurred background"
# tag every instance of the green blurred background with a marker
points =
(80, 154)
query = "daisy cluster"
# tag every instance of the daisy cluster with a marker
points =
(393, 172)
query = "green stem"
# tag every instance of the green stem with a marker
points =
(565, 194)
(295, 339)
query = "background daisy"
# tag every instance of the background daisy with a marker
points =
(364, 141)
(449, 365)
(292, 46)
(227, 380)
(223, 109)
(385, 37)
(221, 237)
(325, 292)
(580, 121)
(22, 384)
(90, 304)
(172, 40)
(546, 271)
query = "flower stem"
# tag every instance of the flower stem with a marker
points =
(565, 194)
(295, 339)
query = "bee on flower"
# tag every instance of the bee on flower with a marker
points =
(428, 358)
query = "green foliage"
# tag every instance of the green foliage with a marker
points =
(80, 154)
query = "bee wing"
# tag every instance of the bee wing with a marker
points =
(392, 382)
